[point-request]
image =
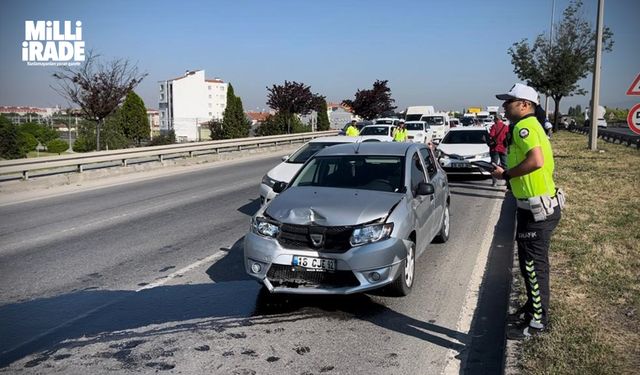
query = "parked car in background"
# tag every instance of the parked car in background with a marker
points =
(359, 126)
(454, 122)
(438, 123)
(382, 133)
(460, 147)
(386, 121)
(290, 165)
(418, 131)
(353, 219)
(467, 121)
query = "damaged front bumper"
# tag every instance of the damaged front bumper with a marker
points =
(357, 270)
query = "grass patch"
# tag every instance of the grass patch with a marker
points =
(595, 264)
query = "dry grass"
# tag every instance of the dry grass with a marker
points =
(595, 260)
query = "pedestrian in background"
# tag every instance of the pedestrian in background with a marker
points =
(400, 133)
(498, 144)
(352, 129)
(529, 170)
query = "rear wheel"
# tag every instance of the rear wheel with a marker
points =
(402, 285)
(443, 235)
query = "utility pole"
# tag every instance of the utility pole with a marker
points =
(595, 90)
(546, 97)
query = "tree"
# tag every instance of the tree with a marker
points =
(290, 99)
(554, 68)
(9, 145)
(280, 123)
(320, 106)
(373, 103)
(27, 142)
(134, 120)
(57, 146)
(42, 133)
(234, 122)
(96, 87)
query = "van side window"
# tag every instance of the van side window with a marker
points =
(417, 173)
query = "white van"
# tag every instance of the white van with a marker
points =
(418, 132)
(438, 123)
(414, 113)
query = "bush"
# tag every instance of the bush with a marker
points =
(27, 142)
(9, 142)
(164, 139)
(57, 146)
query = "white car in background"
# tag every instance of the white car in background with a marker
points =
(438, 123)
(380, 132)
(418, 132)
(460, 147)
(291, 164)
(386, 121)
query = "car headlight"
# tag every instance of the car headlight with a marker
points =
(268, 181)
(263, 227)
(483, 155)
(370, 233)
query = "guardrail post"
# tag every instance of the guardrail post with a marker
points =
(160, 157)
(80, 168)
(190, 154)
(25, 175)
(239, 148)
(124, 162)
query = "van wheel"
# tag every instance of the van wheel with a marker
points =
(402, 285)
(443, 235)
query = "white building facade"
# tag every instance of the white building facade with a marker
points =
(188, 102)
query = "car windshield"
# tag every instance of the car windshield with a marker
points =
(375, 130)
(414, 117)
(433, 120)
(415, 126)
(387, 122)
(469, 136)
(366, 172)
(467, 121)
(308, 150)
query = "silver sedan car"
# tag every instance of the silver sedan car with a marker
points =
(353, 219)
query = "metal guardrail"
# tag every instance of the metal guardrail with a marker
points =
(610, 135)
(81, 160)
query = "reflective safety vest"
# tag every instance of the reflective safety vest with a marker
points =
(352, 131)
(400, 135)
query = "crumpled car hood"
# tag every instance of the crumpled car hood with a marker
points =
(331, 206)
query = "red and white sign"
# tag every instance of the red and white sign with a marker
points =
(633, 119)
(634, 89)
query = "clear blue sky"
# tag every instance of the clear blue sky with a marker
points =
(451, 54)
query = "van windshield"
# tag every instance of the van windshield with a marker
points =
(415, 126)
(433, 120)
(415, 117)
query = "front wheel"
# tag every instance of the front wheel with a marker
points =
(443, 235)
(402, 285)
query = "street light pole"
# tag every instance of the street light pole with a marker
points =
(553, 12)
(595, 90)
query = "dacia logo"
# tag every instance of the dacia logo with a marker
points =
(316, 239)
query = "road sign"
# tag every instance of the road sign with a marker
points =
(634, 89)
(633, 119)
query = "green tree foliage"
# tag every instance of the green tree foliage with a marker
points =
(216, 129)
(113, 132)
(373, 103)
(164, 139)
(27, 142)
(616, 114)
(320, 106)
(290, 99)
(57, 146)
(9, 143)
(280, 123)
(554, 68)
(42, 133)
(235, 123)
(133, 117)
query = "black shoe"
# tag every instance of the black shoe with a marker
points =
(518, 317)
(523, 331)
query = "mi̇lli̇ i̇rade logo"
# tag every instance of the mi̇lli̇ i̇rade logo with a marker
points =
(52, 43)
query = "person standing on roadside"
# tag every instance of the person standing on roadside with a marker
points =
(529, 170)
(400, 133)
(352, 129)
(497, 144)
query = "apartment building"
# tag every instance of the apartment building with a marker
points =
(188, 102)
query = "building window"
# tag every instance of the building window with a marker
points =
(209, 105)
(209, 96)
(209, 113)
(161, 97)
(209, 87)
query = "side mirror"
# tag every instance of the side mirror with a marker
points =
(425, 188)
(279, 187)
(285, 158)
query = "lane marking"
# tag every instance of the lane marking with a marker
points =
(473, 291)
(211, 258)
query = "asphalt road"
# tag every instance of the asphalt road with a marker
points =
(148, 276)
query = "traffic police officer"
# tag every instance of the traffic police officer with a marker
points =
(400, 133)
(352, 130)
(529, 171)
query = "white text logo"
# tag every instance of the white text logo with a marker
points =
(52, 43)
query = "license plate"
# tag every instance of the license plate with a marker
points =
(460, 165)
(311, 263)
